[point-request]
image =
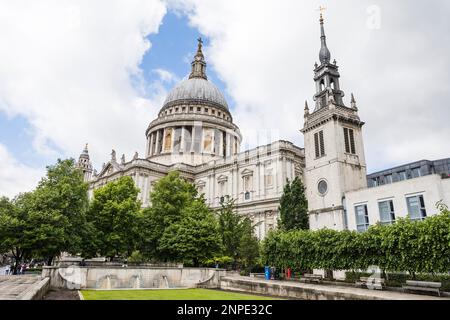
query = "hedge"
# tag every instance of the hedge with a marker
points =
(416, 247)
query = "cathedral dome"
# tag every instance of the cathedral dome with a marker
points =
(194, 125)
(196, 90)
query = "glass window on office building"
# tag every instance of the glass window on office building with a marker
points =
(415, 173)
(387, 212)
(416, 208)
(401, 175)
(388, 179)
(362, 218)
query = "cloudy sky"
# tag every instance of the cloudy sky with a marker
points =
(98, 71)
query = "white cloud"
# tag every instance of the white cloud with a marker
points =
(264, 51)
(71, 68)
(166, 76)
(16, 177)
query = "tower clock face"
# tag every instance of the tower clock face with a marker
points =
(322, 187)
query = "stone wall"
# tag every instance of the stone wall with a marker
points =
(75, 277)
(37, 291)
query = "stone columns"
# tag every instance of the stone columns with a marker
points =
(183, 138)
(150, 145)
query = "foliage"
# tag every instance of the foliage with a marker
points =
(417, 247)
(170, 196)
(294, 207)
(193, 238)
(49, 220)
(62, 196)
(236, 232)
(248, 245)
(179, 226)
(136, 257)
(224, 262)
(114, 214)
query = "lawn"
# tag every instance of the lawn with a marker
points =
(173, 294)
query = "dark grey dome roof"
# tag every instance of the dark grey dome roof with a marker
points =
(196, 89)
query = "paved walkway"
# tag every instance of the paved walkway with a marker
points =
(351, 292)
(14, 287)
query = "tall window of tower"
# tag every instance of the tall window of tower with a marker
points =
(349, 141)
(319, 144)
(322, 85)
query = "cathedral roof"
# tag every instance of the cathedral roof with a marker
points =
(197, 88)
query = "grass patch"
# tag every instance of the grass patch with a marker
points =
(174, 294)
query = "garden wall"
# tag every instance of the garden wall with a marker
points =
(75, 277)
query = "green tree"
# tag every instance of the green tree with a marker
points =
(26, 232)
(192, 239)
(236, 232)
(248, 245)
(49, 220)
(13, 227)
(61, 196)
(169, 197)
(294, 207)
(114, 213)
(230, 229)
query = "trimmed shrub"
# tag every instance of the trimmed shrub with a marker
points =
(416, 247)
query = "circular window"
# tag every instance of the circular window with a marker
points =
(322, 187)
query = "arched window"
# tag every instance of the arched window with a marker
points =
(322, 85)
(332, 84)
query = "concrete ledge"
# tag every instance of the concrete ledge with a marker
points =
(36, 291)
(303, 291)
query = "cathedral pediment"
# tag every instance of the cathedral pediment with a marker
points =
(109, 169)
(247, 172)
(222, 178)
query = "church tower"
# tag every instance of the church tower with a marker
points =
(334, 149)
(85, 164)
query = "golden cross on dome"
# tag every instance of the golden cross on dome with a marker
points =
(322, 9)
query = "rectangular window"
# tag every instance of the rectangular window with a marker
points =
(416, 208)
(387, 213)
(352, 142)
(375, 182)
(362, 218)
(415, 173)
(322, 144)
(349, 140)
(319, 144)
(388, 179)
(402, 175)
